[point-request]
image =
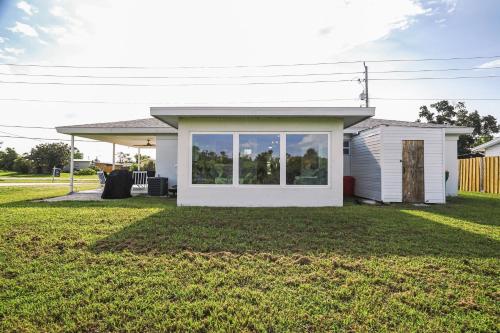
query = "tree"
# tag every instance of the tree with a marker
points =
(123, 157)
(78, 154)
(23, 165)
(7, 159)
(45, 156)
(446, 113)
(143, 158)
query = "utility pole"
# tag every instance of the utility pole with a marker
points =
(367, 103)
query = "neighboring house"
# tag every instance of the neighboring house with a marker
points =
(289, 156)
(79, 165)
(490, 148)
(108, 167)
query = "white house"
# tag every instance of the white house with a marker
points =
(490, 148)
(289, 156)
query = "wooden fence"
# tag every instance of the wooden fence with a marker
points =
(480, 174)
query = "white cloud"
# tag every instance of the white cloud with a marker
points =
(218, 32)
(489, 64)
(27, 8)
(3, 39)
(14, 50)
(53, 30)
(58, 11)
(24, 29)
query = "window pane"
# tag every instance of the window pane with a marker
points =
(259, 159)
(212, 159)
(307, 159)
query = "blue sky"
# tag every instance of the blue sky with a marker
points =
(228, 32)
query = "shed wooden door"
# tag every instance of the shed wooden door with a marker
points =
(413, 171)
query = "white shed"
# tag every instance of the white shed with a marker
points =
(397, 161)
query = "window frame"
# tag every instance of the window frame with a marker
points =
(191, 160)
(279, 133)
(348, 147)
(236, 159)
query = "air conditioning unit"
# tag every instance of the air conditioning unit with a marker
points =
(157, 186)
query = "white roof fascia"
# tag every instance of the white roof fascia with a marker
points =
(114, 130)
(171, 115)
(458, 130)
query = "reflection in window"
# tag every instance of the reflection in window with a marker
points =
(212, 161)
(259, 159)
(307, 159)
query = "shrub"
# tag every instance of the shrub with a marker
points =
(22, 165)
(85, 172)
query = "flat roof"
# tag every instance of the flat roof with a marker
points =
(351, 115)
(375, 122)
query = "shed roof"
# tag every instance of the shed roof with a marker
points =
(488, 144)
(375, 122)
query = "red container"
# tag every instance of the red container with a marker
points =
(348, 186)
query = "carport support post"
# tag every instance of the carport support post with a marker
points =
(138, 159)
(72, 165)
(113, 159)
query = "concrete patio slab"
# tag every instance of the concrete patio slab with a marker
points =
(91, 195)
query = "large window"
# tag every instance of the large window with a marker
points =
(286, 159)
(306, 159)
(212, 159)
(259, 161)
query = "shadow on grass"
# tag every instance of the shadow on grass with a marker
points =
(358, 231)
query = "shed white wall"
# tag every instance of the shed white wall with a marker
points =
(451, 164)
(260, 195)
(166, 157)
(366, 156)
(492, 151)
(434, 169)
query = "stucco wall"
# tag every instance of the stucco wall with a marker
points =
(260, 195)
(166, 157)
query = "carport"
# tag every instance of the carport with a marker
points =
(140, 134)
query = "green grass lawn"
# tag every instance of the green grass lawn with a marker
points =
(15, 177)
(143, 264)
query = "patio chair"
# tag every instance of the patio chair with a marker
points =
(102, 178)
(140, 179)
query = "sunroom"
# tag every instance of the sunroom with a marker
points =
(254, 156)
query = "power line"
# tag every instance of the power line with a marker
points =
(172, 84)
(47, 139)
(245, 76)
(240, 84)
(434, 99)
(241, 102)
(152, 103)
(34, 127)
(179, 77)
(436, 78)
(251, 66)
(433, 70)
